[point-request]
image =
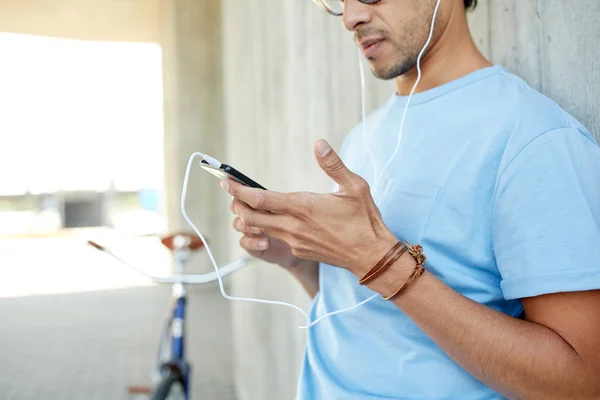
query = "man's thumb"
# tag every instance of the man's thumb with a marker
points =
(332, 164)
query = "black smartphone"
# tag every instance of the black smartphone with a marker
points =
(227, 171)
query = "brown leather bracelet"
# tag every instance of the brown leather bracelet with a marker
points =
(418, 271)
(381, 270)
(417, 253)
(390, 258)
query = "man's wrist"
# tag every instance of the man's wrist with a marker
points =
(372, 253)
(395, 276)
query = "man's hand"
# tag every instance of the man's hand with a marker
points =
(260, 245)
(272, 250)
(344, 228)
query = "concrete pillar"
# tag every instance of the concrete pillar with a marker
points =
(193, 112)
(193, 121)
(291, 77)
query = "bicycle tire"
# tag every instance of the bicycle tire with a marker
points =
(170, 387)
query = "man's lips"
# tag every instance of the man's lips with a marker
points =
(366, 43)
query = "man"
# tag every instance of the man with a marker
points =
(499, 186)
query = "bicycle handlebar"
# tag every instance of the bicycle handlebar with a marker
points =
(181, 278)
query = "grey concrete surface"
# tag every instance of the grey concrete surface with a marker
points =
(91, 346)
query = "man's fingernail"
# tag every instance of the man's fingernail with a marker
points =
(225, 185)
(263, 244)
(323, 148)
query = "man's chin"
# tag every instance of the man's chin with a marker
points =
(387, 71)
(383, 73)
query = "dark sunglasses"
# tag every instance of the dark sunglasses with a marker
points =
(336, 7)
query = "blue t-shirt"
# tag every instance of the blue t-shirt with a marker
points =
(501, 187)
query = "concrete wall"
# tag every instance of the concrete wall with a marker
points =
(291, 77)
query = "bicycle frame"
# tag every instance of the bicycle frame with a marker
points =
(173, 341)
(176, 324)
(171, 350)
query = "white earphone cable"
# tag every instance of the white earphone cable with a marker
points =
(437, 6)
(364, 113)
(210, 254)
(377, 177)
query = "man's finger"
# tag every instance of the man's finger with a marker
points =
(239, 226)
(259, 219)
(254, 244)
(260, 199)
(332, 164)
(238, 206)
(277, 234)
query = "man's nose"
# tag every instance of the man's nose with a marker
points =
(356, 14)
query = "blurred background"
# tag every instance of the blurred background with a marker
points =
(101, 104)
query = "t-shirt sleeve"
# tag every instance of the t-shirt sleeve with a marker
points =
(546, 216)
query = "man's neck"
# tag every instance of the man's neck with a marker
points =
(452, 56)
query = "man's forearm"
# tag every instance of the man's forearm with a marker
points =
(519, 359)
(307, 273)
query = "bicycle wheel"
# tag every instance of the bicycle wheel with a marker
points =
(170, 387)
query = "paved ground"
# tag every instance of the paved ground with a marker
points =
(91, 343)
(90, 346)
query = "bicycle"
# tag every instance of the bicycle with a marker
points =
(171, 377)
